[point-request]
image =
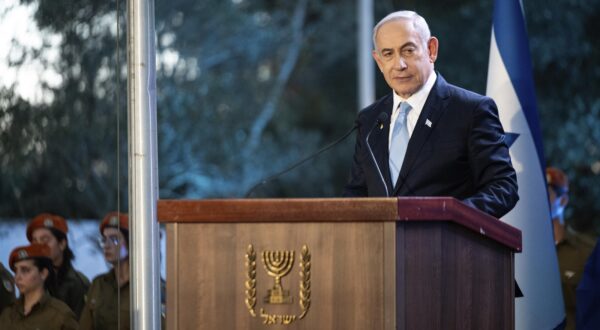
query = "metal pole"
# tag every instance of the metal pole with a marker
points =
(143, 181)
(366, 68)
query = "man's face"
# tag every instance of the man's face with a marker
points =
(405, 60)
(45, 236)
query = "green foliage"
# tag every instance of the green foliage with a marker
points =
(249, 107)
(246, 87)
(564, 43)
(77, 165)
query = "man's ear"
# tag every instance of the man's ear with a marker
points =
(375, 55)
(432, 48)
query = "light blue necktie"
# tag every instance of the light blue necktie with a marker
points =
(399, 141)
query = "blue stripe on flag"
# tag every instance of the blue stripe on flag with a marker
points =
(511, 38)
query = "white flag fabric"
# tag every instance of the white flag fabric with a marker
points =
(510, 84)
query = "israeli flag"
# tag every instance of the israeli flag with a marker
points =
(510, 84)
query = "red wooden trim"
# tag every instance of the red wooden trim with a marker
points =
(451, 209)
(278, 210)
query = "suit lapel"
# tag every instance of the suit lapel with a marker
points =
(432, 111)
(379, 141)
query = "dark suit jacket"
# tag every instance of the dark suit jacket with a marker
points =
(462, 153)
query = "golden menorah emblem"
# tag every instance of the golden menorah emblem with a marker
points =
(278, 264)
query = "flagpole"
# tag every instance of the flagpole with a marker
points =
(143, 183)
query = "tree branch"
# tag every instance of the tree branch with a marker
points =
(287, 67)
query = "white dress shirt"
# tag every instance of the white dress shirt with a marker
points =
(416, 101)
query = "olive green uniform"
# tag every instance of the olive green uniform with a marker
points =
(107, 306)
(71, 288)
(48, 313)
(572, 255)
(7, 288)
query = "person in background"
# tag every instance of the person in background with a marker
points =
(71, 285)
(572, 248)
(35, 308)
(588, 293)
(558, 196)
(108, 305)
(7, 288)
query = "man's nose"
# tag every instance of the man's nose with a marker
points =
(400, 63)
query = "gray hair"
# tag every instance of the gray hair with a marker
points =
(418, 21)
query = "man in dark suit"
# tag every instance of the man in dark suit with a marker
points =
(434, 139)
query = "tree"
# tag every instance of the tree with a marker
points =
(225, 76)
(565, 55)
(247, 87)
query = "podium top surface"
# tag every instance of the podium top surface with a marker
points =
(393, 209)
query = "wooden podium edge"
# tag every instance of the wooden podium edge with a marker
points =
(451, 209)
(340, 210)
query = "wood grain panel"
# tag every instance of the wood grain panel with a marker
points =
(350, 273)
(377, 263)
(453, 279)
(172, 302)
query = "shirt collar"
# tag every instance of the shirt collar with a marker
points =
(21, 303)
(111, 279)
(417, 100)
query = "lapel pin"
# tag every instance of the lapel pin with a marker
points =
(381, 126)
(428, 123)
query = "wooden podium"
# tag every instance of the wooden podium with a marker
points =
(364, 263)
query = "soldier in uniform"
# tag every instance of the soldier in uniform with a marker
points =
(588, 293)
(71, 285)
(107, 306)
(572, 248)
(7, 288)
(35, 308)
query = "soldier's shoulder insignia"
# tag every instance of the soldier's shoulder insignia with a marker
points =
(8, 285)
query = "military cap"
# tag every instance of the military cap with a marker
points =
(47, 220)
(115, 220)
(28, 252)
